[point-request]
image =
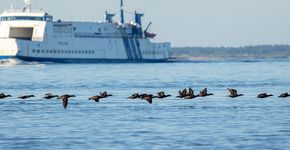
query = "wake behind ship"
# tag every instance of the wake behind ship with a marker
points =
(34, 36)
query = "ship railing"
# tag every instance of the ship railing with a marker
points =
(21, 11)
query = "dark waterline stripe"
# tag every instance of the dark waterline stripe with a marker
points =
(76, 60)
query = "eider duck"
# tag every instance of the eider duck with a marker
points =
(64, 99)
(162, 95)
(49, 96)
(26, 96)
(2, 96)
(284, 95)
(234, 93)
(264, 95)
(203, 93)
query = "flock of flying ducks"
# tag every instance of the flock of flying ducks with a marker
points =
(184, 94)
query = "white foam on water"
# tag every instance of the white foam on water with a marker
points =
(15, 61)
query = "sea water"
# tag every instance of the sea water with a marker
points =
(214, 122)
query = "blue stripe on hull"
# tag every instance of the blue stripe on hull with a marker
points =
(6, 57)
(134, 49)
(73, 60)
(138, 48)
(127, 48)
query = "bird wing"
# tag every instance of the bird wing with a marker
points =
(96, 98)
(235, 92)
(231, 92)
(65, 102)
(148, 99)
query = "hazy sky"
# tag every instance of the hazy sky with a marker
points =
(188, 22)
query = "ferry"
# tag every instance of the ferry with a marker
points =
(31, 35)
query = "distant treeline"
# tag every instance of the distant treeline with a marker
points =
(261, 51)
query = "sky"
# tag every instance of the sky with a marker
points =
(187, 22)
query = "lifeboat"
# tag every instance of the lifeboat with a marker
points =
(150, 35)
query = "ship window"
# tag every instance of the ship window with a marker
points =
(69, 52)
(33, 51)
(38, 51)
(24, 33)
(58, 51)
(50, 51)
(42, 51)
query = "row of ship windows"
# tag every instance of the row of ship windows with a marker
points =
(85, 52)
(64, 51)
(12, 18)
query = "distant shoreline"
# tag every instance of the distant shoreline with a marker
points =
(231, 53)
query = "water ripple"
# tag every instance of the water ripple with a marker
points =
(215, 122)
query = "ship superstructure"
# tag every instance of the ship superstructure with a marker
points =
(35, 36)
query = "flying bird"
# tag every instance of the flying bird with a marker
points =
(234, 93)
(26, 96)
(264, 95)
(95, 98)
(203, 93)
(49, 96)
(64, 99)
(2, 96)
(284, 95)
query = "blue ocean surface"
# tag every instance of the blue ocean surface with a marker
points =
(214, 122)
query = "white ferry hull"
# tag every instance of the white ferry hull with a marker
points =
(119, 52)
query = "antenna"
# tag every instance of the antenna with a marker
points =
(122, 12)
(11, 5)
(27, 7)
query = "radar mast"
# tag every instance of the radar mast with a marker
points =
(122, 12)
(27, 7)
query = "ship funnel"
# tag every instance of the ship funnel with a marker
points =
(138, 18)
(27, 7)
(109, 17)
